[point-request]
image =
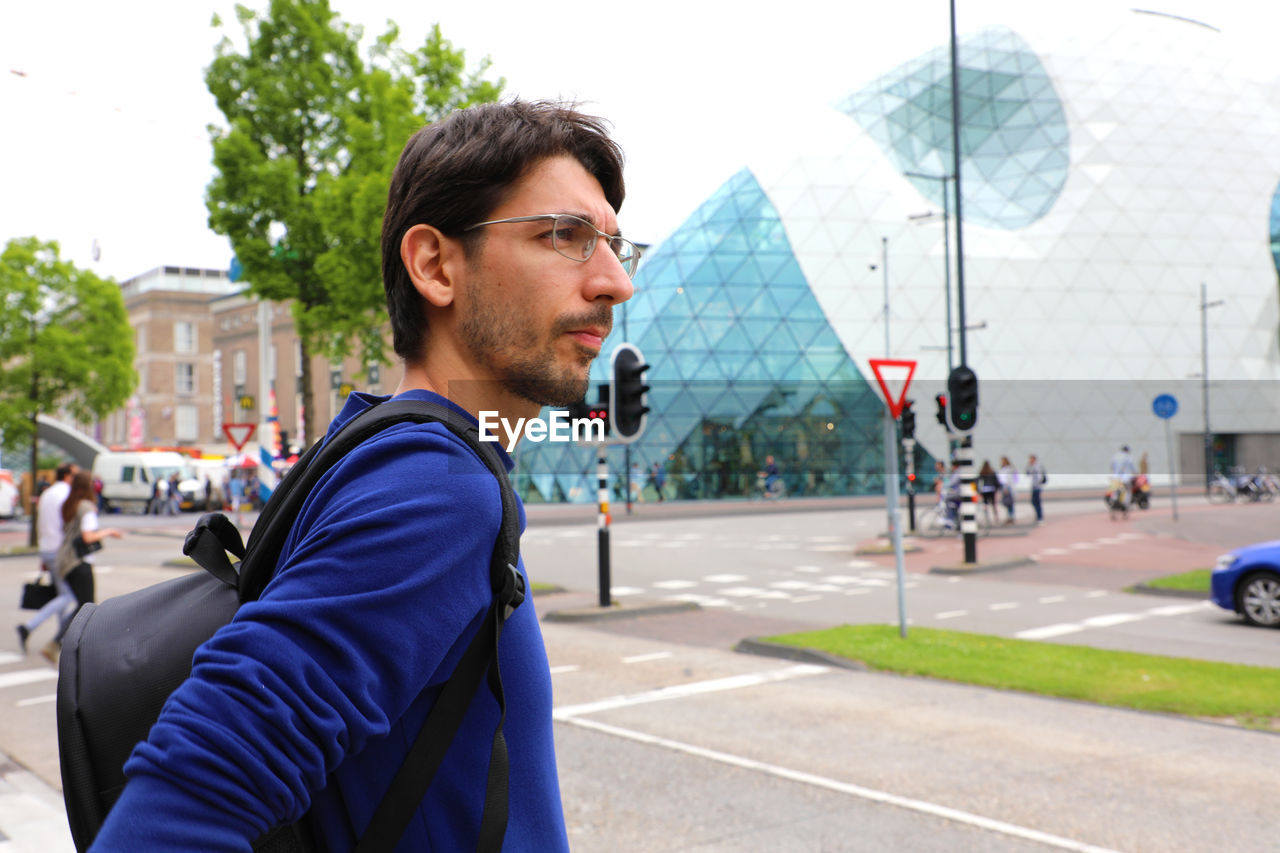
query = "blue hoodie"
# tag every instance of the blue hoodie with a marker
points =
(312, 695)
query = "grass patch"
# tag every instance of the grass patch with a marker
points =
(1247, 695)
(1196, 580)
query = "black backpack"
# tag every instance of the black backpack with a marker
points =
(122, 658)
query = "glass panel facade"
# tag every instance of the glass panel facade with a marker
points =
(744, 365)
(1014, 143)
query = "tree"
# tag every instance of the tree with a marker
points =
(313, 135)
(65, 343)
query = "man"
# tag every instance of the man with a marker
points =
(1037, 476)
(500, 288)
(48, 540)
(1123, 469)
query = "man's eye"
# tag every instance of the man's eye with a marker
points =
(565, 233)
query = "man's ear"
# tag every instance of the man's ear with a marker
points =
(431, 259)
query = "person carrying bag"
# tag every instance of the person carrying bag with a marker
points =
(81, 537)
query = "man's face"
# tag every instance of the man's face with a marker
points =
(531, 318)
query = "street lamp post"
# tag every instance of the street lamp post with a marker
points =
(1205, 305)
(946, 250)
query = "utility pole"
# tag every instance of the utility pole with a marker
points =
(964, 455)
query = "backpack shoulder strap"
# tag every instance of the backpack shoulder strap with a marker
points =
(266, 541)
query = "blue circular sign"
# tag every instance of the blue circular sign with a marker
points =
(1165, 406)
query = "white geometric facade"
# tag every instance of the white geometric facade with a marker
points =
(1107, 173)
(1111, 165)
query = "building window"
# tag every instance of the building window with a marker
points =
(185, 379)
(239, 367)
(184, 337)
(186, 423)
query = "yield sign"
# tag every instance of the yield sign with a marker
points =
(894, 376)
(239, 434)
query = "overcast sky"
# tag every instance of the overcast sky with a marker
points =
(104, 131)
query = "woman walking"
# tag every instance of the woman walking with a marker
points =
(1008, 478)
(81, 537)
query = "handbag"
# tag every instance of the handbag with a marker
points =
(36, 594)
(83, 548)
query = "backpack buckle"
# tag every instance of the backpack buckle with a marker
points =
(512, 593)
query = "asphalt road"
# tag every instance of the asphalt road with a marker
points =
(667, 740)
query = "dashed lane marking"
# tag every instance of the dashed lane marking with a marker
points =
(694, 688)
(951, 614)
(569, 667)
(26, 676)
(1052, 599)
(1003, 605)
(675, 584)
(647, 657)
(725, 578)
(625, 590)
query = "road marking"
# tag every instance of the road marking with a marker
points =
(26, 676)
(625, 590)
(1054, 552)
(1096, 593)
(1052, 599)
(791, 585)
(725, 578)
(950, 614)
(647, 657)
(1003, 605)
(1049, 631)
(36, 700)
(694, 688)
(7, 658)
(571, 667)
(675, 584)
(1174, 609)
(1082, 546)
(1108, 619)
(944, 812)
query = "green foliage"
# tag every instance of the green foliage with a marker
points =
(65, 340)
(313, 134)
(1247, 694)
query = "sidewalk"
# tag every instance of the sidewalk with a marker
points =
(33, 818)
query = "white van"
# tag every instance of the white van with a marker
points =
(128, 476)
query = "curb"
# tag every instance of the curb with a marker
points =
(601, 614)
(880, 550)
(1172, 593)
(18, 551)
(755, 646)
(978, 568)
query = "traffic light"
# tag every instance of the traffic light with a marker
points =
(962, 393)
(942, 411)
(628, 400)
(908, 420)
(583, 410)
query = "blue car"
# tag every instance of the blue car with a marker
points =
(1247, 581)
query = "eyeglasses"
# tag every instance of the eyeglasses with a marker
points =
(575, 238)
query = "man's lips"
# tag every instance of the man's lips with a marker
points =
(588, 337)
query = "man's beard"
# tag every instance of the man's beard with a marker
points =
(531, 371)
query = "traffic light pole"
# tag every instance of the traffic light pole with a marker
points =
(909, 451)
(968, 495)
(602, 522)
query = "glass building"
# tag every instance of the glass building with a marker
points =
(1109, 165)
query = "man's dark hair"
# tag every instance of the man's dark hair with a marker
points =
(452, 173)
(63, 471)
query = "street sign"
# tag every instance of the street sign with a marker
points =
(1165, 406)
(239, 434)
(894, 376)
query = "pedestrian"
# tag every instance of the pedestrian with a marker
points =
(48, 539)
(81, 536)
(502, 266)
(637, 482)
(1008, 479)
(175, 495)
(1037, 476)
(659, 477)
(988, 486)
(1123, 470)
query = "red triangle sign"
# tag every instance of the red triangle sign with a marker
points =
(239, 434)
(893, 376)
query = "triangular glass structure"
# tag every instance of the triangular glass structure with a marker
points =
(745, 365)
(1013, 126)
